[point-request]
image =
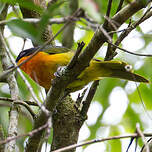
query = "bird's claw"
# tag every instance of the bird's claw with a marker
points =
(60, 71)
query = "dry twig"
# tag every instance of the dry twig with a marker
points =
(135, 135)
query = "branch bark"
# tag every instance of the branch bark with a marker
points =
(13, 123)
(67, 122)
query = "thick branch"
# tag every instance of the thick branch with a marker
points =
(67, 122)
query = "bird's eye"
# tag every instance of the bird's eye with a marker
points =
(128, 68)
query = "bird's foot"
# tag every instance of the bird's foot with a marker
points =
(60, 71)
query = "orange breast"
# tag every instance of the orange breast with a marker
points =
(41, 67)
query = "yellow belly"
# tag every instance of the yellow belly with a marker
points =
(41, 68)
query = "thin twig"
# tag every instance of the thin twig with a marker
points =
(99, 140)
(112, 23)
(142, 18)
(144, 148)
(108, 37)
(27, 107)
(111, 50)
(108, 12)
(11, 100)
(87, 102)
(37, 20)
(24, 40)
(20, 103)
(40, 105)
(126, 31)
(48, 129)
(131, 141)
(120, 5)
(75, 57)
(108, 22)
(109, 8)
(5, 105)
(124, 50)
(31, 133)
(140, 133)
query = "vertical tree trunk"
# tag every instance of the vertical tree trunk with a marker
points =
(67, 122)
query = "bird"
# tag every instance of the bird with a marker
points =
(43, 66)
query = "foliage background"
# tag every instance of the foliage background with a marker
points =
(117, 106)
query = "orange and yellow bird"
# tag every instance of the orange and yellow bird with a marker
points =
(44, 64)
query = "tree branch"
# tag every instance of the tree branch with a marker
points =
(12, 129)
(140, 133)
(87, 102)
(126, 32)
(135, 135)
(37, 20)
(13, 123)
(120, 5)
(11, 100)
(130, 52)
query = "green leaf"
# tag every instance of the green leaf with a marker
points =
(4, 120)
(24, 126)
(24, 29)
(55, 29)
(13, 14)
(24, 91)
(25, 4)
(2, 5)
(50, 12)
